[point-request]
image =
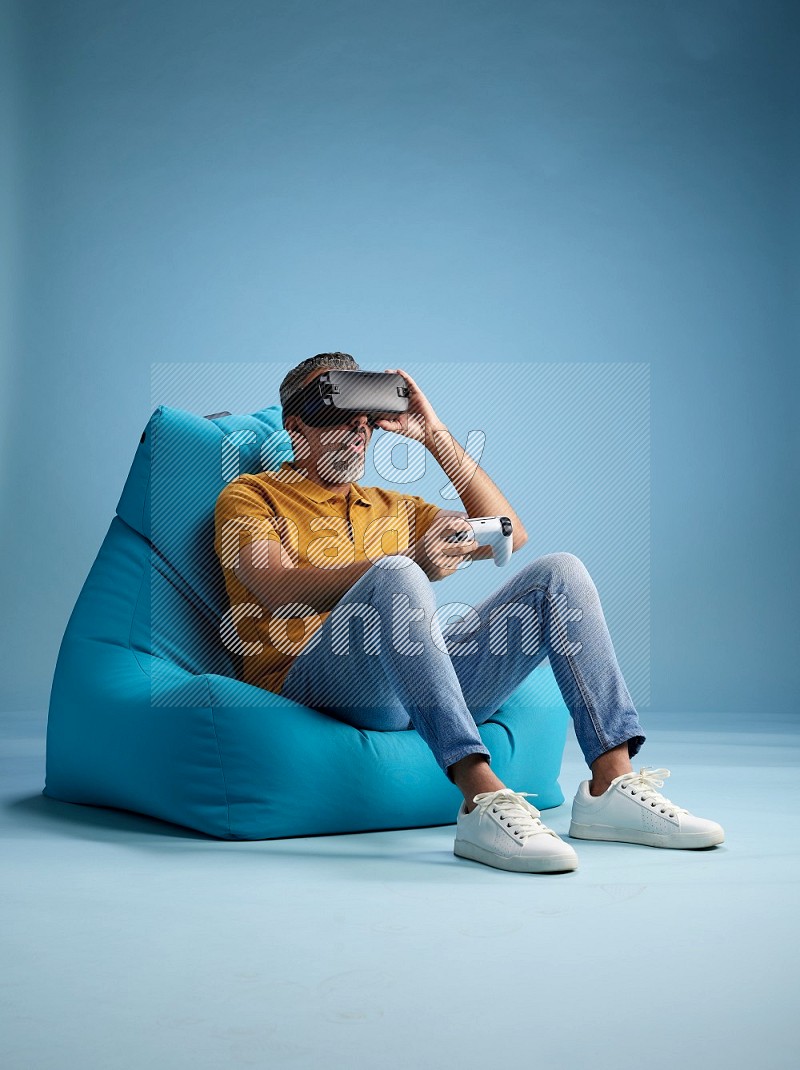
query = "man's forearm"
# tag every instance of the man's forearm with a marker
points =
(320, 588)
(478, 493)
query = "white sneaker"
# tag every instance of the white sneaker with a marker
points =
(632, 811)
(504, 831)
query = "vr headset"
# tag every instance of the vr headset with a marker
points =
(334, 396)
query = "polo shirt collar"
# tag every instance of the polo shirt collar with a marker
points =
(320, 494)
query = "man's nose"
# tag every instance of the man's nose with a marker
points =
(360, 420)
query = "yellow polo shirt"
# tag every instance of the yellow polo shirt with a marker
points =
(318, 529)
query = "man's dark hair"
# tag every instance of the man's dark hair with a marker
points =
(293, 380)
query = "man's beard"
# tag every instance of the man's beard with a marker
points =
(341, 465)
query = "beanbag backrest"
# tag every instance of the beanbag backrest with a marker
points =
(182, 463)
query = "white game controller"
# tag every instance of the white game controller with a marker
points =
(494, 531)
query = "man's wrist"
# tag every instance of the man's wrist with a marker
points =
(435, 435)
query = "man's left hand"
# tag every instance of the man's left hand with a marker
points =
(419, 420)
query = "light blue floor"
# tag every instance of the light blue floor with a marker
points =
(131, 944)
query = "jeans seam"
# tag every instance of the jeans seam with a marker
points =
(576, 674)
(415, 707)
(590, 708)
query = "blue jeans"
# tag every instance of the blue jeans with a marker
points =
(404, 670)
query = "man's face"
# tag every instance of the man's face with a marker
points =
(337, 453)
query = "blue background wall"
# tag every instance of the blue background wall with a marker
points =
(532, 183)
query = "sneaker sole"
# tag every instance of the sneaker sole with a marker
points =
(548, 864)
(678, 840)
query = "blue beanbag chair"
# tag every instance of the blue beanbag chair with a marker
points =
(148, 710)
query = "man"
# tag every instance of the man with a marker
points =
(408, 672)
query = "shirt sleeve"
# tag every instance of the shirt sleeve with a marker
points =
(424, 514)
(241, 515)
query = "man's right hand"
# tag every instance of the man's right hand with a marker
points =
(435, 555)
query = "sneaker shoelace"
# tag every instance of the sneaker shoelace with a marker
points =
(519, 816)
(645, 783)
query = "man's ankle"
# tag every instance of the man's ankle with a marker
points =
(598, 788)
(473, 775)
